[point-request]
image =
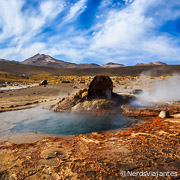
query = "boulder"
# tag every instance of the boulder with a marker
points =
(97, 98)
(164, 114)
(43, 82)
(100, 88)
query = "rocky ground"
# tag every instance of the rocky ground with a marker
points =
(28, 97)
(145, 150)
(151, 146)
(34, 94)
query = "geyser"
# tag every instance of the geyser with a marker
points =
(98, 97)
(165, 91)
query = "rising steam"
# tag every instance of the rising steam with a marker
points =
(162, 92)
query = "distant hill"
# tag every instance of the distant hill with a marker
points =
(3, 60)
(17, 68)
(112, 65)
(91, 65)
(46, 60)
(158, 63)
(9, 60)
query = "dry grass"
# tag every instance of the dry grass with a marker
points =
(4, 76)
(10, 71)
(11, 67)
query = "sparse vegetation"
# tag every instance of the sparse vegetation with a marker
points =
(4, 76)
(30, 70)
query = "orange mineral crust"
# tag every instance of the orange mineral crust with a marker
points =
(151, 145)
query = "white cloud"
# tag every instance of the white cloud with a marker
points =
(161, 47)
(14, 53)
(122, 28)
(22, 26)
(76, 10)
(10, 18)
(14, 22)
(105, 3)
(49, 9)
(129, 31)
(121, 34)
(32, 50)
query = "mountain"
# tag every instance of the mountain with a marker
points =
(46, 60)
(20, 69)
(158, 63)
(112, 65)
(9, 60)
(3, 60)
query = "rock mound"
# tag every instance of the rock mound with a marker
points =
(94, 106)
(65, 104)
(100, 88)
(97, 98)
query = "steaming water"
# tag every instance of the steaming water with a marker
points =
(162, 92)
(48, 122)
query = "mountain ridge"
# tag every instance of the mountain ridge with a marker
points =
(157, 63)
(46, 60)
(112, 65)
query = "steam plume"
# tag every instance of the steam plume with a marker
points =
(164, 91)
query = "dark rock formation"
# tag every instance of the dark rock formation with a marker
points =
(43, 82)
(100, 88)
(122, 99)
(98, 98)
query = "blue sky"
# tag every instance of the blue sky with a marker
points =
(91, 31)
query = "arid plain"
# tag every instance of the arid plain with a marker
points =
(150, 143)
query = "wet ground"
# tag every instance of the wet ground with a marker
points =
(146, 150)
(38, 121)
(150, 147)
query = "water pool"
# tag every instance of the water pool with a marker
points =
(38, 120)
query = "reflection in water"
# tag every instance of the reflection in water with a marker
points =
(48, 122)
